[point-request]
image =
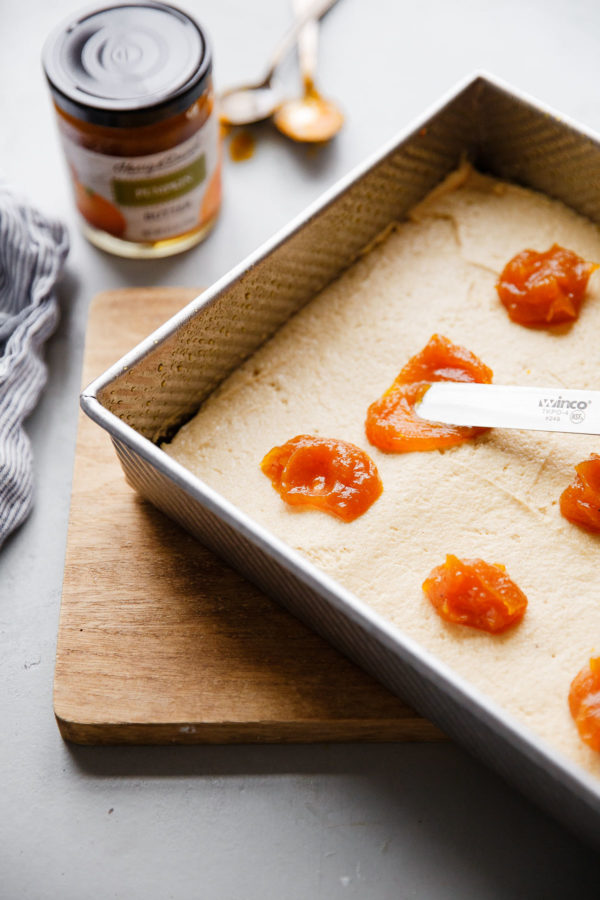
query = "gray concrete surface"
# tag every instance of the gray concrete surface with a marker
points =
(225, 823)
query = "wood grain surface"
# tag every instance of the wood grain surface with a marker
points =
(159, 641)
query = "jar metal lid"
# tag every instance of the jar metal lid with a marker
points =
(127, 65)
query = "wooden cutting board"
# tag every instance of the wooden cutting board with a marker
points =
(158, 640)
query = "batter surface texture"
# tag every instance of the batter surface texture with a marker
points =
(495, 498)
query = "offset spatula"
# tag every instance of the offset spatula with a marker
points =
(504, 406)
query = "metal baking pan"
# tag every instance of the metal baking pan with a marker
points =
(161, 383)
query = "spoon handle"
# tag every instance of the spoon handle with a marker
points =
(308, 44)
(316, 9)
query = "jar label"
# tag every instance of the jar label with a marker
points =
(149, 198)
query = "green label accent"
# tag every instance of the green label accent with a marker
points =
(148, 191)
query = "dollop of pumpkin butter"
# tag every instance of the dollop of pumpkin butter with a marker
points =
(392, 424)
(334, 476)
(475, 593)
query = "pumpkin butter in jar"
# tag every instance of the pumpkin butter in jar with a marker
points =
(132, 89)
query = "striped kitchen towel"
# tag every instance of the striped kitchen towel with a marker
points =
(32, 251)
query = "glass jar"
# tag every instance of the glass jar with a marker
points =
(132, 89)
